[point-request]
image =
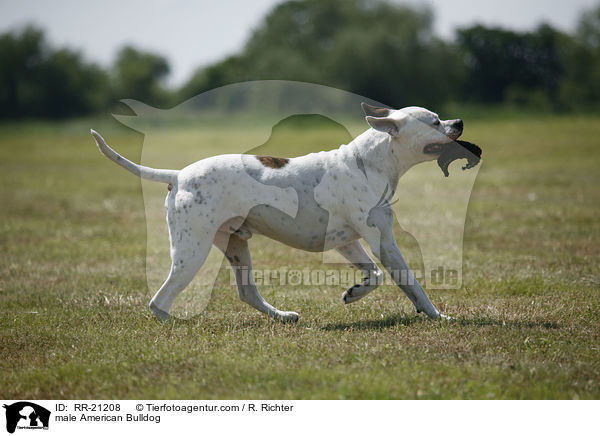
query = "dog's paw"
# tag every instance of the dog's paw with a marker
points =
(160, 314)
(350, 297)
(288, 317)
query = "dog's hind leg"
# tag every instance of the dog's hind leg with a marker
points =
(191, 240)
(186, 261)
(238, 254)
(373, 276)
(182, 273)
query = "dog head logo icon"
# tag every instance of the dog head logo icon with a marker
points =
(26, 415)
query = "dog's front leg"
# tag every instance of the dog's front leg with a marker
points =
(394, 263)
(373, 276)
(379, 234)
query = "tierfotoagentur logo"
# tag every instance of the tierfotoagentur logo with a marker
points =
(335, 277)
(24, 415)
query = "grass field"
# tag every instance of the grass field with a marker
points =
(74, 321)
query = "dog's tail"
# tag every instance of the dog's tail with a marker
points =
(165, 176)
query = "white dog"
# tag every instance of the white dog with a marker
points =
(340, 196)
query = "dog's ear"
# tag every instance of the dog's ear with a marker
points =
(375, 111)
(385, 124)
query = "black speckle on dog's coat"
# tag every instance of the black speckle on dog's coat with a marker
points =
(361, 165)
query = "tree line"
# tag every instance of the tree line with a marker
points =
(384, 51)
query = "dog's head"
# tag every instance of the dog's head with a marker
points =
(419, 135)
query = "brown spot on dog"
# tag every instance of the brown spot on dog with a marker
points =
(273, 162)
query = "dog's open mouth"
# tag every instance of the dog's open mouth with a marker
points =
(452, 151)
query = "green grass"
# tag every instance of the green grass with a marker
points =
(73, 295)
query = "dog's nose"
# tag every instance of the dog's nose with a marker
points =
(458, 124)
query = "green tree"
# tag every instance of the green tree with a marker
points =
(503, 64)
(580, 88)
(382, 50)
(36, 81)
(139, 75)
(588, 29)
(21, 55)
(70, 87)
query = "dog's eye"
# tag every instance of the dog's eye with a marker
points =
(436, 122)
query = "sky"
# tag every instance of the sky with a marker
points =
(190, 34)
